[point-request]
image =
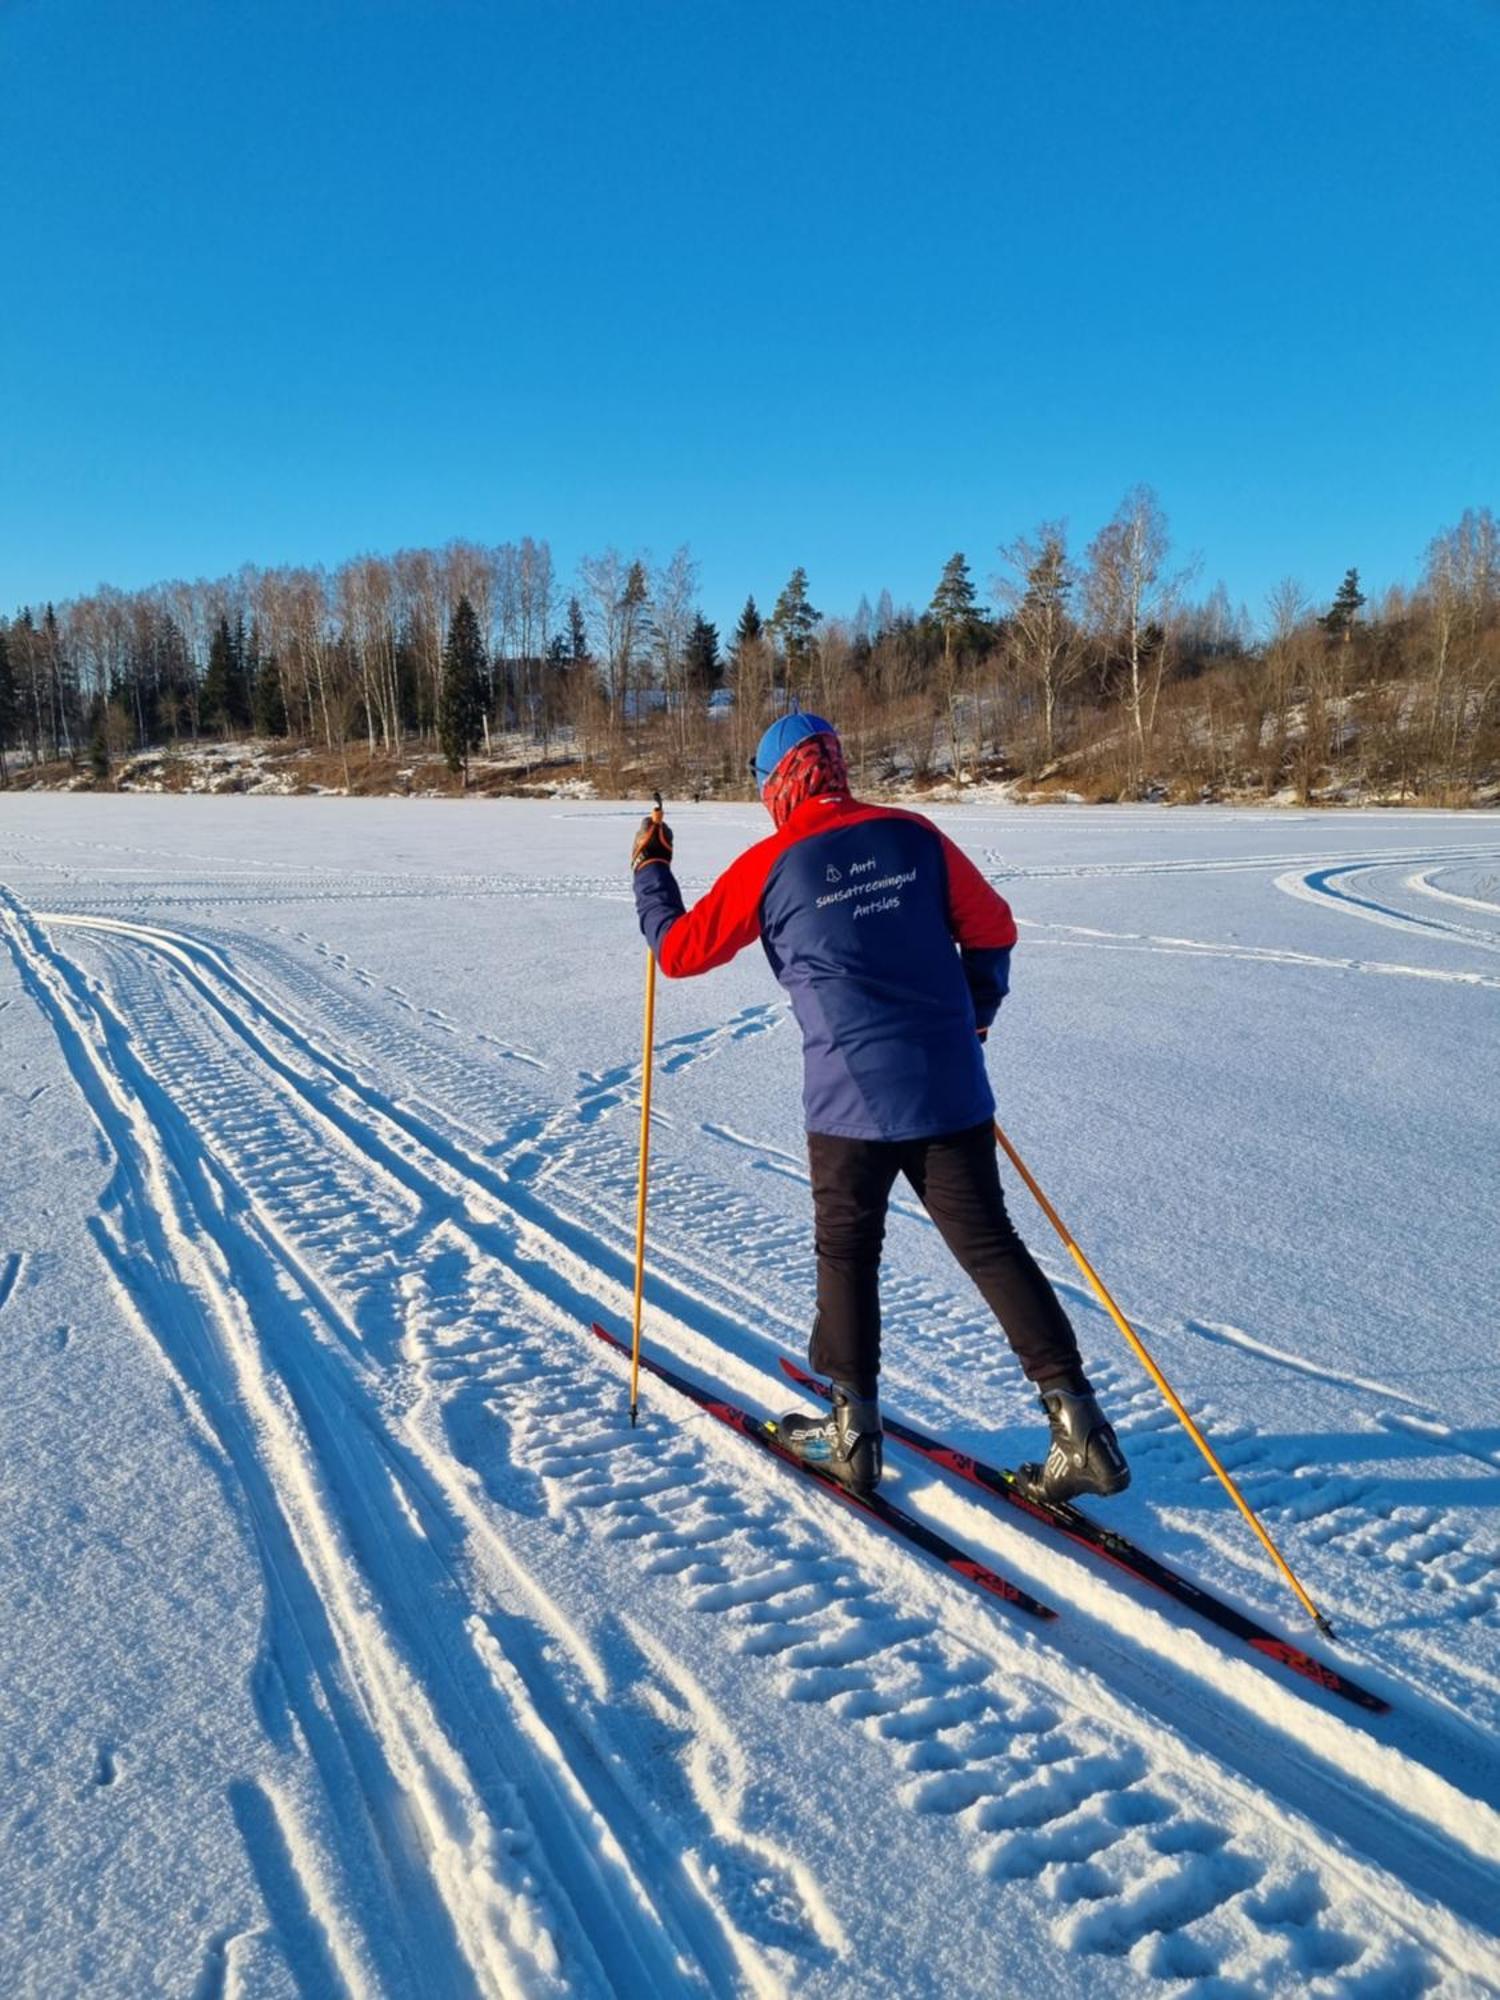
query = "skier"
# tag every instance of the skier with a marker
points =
(859, 908)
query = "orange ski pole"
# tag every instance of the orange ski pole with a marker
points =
(1174, 1402)
(645, 1153)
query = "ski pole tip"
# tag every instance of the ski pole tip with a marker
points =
(632, 1416)
(1324, 1627)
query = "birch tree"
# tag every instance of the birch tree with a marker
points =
(1043, 644)
(674, 598)
(1128, 592)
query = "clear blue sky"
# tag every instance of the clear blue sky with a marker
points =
(850, 285)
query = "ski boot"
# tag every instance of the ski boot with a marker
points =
(1084, 1455)
(846, 1443)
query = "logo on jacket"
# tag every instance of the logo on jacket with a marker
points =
(833, 874)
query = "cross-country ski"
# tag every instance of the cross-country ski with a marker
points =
(1004, 1485)
(764, 1435)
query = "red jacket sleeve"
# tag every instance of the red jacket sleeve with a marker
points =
(980, 914)
(722, 922)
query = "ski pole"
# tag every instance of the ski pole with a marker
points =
(640, 1181)
(1174, 1402)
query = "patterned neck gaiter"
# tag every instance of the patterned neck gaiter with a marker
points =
(813, 769)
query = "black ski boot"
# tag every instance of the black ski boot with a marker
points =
(1084, 1455)
(845, 1443)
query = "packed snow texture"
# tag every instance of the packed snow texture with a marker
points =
(353, 1642)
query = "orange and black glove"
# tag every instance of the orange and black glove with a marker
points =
(652, 843)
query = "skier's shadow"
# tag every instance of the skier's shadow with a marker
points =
(1318, 1461)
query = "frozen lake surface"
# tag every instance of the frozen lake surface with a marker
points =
(352, 1640)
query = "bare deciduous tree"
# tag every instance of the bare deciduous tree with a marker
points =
(674, 603)
(1129, 596)
(1042, 640)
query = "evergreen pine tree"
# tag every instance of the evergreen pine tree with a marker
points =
(269, 698)
(578, 633)
(7, 706)
(216, 696)
(701, 664)
(411, 687)
(635, 625)
(461, 717)
(63, 716)
(794, 621)
(99, 741)
(27, 679)
(1341, 615)
(1047, 584)
(749, 628)
(954, 609)
(241, 677)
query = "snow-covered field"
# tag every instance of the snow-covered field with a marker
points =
(351, 1641)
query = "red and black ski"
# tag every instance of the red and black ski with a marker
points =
(1003, 1485)
(758, 1431)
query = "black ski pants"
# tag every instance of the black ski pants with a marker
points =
(957, 1180)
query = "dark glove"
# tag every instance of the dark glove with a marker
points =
(652, 843)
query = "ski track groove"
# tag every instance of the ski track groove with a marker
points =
(12, 1266)
(1318, 883)
(609, 1931)
(717, 1225)
(1423, 884)
(1120, 1841)
(1327, 885)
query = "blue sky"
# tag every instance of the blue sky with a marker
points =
(847, 285)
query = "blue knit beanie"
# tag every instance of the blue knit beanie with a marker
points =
(785, 734)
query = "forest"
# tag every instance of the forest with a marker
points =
(1102, 674)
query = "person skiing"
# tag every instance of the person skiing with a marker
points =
(895, 954)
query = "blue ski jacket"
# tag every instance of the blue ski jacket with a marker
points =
(892, 947)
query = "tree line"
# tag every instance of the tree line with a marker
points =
(1101, 671)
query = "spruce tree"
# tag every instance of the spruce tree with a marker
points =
(461, 717)
(578, 633)
(269, 698)
(63, 708)
(241, 677)
(636, 626)
(99, 741)
(7, 706)
(749, 628)
(701, 663)
(794, 621)
(216, 697)
(1341, 615)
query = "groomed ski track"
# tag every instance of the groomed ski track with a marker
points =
(485, 1594)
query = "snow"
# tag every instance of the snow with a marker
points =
(354, 1642)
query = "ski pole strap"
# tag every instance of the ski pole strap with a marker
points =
(1172, 1399)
